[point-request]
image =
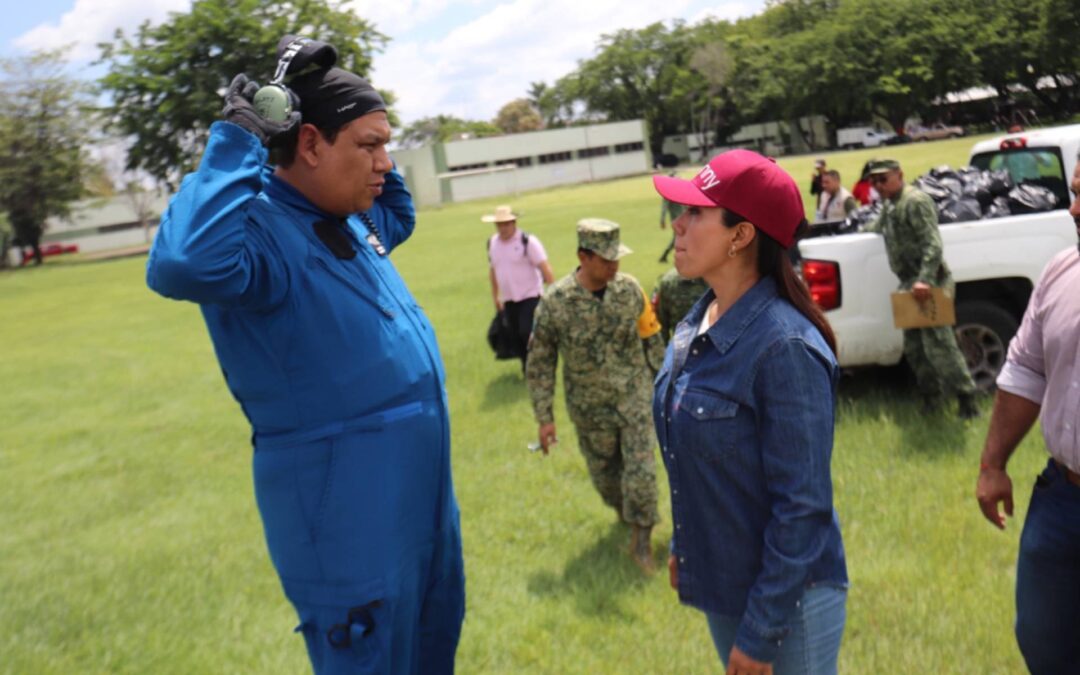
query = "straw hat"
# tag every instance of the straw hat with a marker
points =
(503, 214)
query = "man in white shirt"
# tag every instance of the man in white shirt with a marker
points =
(1041, 377)
(835, 202)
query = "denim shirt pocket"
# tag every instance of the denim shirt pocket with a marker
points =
(710, 431)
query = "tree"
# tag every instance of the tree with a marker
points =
(1029, 43)
(140, 199)
(555, 103)
(712, 103)
(851, 61)
(518, 116)
(166, 81)
(542, 98)
(639, 74)
(97, 182)
(787, 17)
(442, 128)
(43, 131)
(6, 235)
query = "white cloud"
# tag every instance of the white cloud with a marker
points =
(92, 21)
(487, 62)
(460, 57)
(395, 17)
(728, 11)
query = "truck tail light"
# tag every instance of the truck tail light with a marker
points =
(823, 279)
(1014, 143)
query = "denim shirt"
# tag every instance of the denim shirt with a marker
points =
(744, 416)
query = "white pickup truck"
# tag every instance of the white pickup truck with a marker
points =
(862, 137)
(994, 261)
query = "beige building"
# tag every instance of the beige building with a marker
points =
(437, 174)
(487, 167)
(104, 224)
(769, 138)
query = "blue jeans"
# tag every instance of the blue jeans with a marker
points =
(814, 642)
(1048, 577)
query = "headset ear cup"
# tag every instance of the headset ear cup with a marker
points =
(273, 103)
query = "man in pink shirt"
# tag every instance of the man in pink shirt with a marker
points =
(1042, 375)
(519, 268)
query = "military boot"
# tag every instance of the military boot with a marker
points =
(967, 410)
(641, 548)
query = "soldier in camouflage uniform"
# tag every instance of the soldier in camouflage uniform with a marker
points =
(603, 325)
(669, 211)
(909, 223)
(673, 297)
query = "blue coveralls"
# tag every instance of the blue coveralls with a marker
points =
(337, 369)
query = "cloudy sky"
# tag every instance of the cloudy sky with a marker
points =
(457, 57)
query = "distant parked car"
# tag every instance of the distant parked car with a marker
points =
(55, 248)
(934, 132)
(59, 248)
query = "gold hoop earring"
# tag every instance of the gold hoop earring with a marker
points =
(732, 252)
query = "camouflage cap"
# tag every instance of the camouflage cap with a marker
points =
(601, 237)
(882, 165)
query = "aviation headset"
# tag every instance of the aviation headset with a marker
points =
(275, 101)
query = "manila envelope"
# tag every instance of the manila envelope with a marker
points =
(939, 310)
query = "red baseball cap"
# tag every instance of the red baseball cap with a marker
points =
(748, 184)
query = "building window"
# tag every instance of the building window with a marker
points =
(601, 151)
(469, 167)
(553, 157)
(520, 162)
(636, 146)
(120, 227)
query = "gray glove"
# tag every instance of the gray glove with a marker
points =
(240, 111)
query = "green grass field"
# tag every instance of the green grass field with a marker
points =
(130, 543)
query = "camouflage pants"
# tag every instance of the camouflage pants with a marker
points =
(937, 362)
(623, 469)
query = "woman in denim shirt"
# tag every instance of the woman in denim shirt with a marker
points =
(744, 409)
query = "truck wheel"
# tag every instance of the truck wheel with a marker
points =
(983, 331)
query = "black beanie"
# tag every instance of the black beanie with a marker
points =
(331, 98)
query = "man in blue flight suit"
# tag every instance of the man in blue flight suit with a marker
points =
(333, 363)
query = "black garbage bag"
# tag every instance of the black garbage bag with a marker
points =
(1000, 182)
(826, 228)
(500, 336)
(952, 184)
(861, 217)
(967, 174)
(958, 210)
(933, 187)
(998, 208)
(1028, 198)
(976, 185)
(943, 171)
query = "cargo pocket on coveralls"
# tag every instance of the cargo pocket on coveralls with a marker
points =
(345, 624)
(292, 485)
(710, 433)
